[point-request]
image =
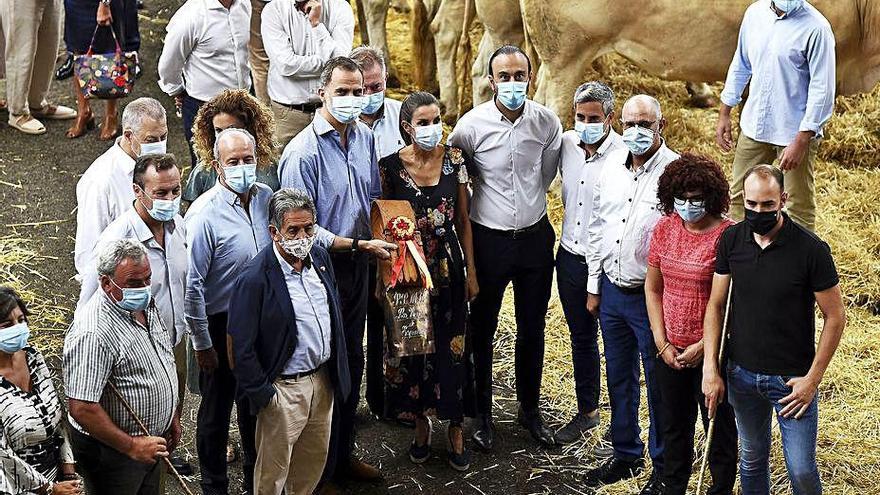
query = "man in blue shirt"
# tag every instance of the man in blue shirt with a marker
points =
(334, 161)
(785, 54)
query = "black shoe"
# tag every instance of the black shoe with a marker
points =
(604, 448)
(183, 468)
(531, 421)
(576, 428)
(419, 454)
(460, 462)
(655, 485)
(66, 69)
(140, 4)
(483, 435)
(612, 471)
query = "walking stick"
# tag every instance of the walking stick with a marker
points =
(146, 432)
(711, 428)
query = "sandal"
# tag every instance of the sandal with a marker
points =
(26, 124)
(54, 112)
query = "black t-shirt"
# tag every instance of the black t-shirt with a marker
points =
(772, 316)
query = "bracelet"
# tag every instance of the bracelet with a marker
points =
(663, 349)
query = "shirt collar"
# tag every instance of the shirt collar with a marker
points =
(500, 116)
(610, 140)
(122, 158)
(322, 126)
(785, 15)
(216, 5)
(781, 236)
(142, 230)
(650, 164)
(228, 195)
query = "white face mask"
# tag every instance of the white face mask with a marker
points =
(159, 147)
(298, 248)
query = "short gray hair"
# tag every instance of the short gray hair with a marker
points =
(595, 91)
(116, 251)
(287, 199)
(231, 131)
(343, 63)
(650, 100)
(135, 112)
(368, 57)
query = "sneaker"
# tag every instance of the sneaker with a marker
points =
(576, 428)
(655, 485)
(612, 471)
(604, 448)
(419, 454)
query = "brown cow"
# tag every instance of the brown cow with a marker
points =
(689, 40)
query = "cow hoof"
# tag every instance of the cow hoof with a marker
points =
(702, 101)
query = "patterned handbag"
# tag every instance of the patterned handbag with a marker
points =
(109, 75)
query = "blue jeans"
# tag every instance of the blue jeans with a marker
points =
(626, 334)
(188, 112)
(571, 279)
(753, 397)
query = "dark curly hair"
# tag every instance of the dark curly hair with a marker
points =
(9, 300)
(693, 172)
(256, 117)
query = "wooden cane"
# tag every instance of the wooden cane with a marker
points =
(146, 432)
(711, 428)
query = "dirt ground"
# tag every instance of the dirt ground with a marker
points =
(38, 176)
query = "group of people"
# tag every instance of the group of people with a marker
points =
(261, 275)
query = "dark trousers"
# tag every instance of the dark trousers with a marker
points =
(212, 427)
(188, 112)
(106, 471)
(571, 280)
(527, 261)
(626, 334)
(682, 399)
(351, 272)
(375, 393)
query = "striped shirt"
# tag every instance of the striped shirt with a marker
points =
(107, 344)
(32, 438)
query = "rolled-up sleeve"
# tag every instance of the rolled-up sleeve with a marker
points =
(740, 70)
(820, 93)
(179, 43)
(201, 251)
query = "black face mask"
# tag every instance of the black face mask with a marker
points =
(761, 222)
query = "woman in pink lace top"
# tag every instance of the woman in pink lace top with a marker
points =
(694, 196)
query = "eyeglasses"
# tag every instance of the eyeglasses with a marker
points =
(697, 201)
(646, 124)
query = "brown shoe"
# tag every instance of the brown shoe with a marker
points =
(361, 471)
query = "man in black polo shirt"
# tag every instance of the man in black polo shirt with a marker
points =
(780, 270)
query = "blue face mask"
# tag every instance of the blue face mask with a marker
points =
(590, 133)
(373, 103)
(240, 178)
(163, 210)
(427, 137)
(14, 338)
(512, 94)
(134, 298)
(788, 6)
(346, 109)
(689, 210)
(638, 139)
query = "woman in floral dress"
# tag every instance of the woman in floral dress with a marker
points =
(434, 178)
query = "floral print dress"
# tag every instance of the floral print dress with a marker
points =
(438, 384)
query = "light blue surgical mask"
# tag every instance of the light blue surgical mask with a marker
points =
(427, 137)
(691, 211)
(512, 94)
(159, 147)
(134, 298)
(14, 338)
(163, 210)
(240, 178)
(590, 133)
(788, 6)
(373, 103)
(638, 139)
(346, 109)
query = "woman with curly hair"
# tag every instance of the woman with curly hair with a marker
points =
(231, 108)
(694, 198)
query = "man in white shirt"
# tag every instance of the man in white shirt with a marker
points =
(205, 52)
(514, 143)
(623, 218)
(300, 36)
(785, 54)
(382, 115)
(585, 150)
(154, 221)
(104, 191)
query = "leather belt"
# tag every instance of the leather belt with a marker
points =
(297, 376)
(518, 233)
(302, 107)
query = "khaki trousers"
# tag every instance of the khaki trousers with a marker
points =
(801, 204)
(288, 122)
(293, 436)
(258, 58)
(32, 30)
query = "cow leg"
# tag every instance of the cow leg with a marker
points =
(446, 28)
(557, 82)
(425, 70)
(363, 24)
(701, 95)
(479, 71)
(377, 15)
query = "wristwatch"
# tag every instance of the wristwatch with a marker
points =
(106, 2)
(354, 245)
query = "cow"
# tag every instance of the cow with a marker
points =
(689, 40)
(371, 19)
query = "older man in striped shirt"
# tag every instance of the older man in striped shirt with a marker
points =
(119, 345)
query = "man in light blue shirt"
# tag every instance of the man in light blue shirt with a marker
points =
(334, 161)
(785, 54)
(225, 228)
